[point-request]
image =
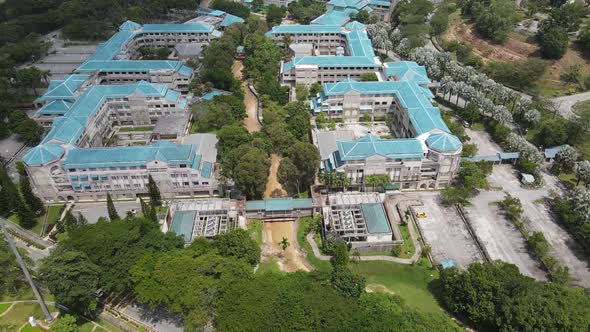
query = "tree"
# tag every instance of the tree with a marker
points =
(554, 42)
(284, 243)
(230, 137)
(275, 14)
(347, 283)
(512, 207)
(306, 158)
(112, 211)
(298, 119)
(495, 296)
(289, 176)
(565, 159)
(364, 17)
(238, 243)
(315, 88)
(582, 171)
(67, 323)
(340, 258)
(154, 192)
(231, 7)
(26, 218)
(34, 203)
(72, 278)
(301, 92)
(250, 171)
(494, 19)
(149, 211)
(70, 222)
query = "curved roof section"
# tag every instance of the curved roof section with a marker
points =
(444, 142)
(231, 19)
(407, 71)
(42, 154)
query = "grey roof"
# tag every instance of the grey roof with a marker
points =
(206, 143)
(327, 141)
(172, 124)
(189, 49)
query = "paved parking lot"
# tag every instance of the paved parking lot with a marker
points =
(499, 236)
(502, 238)
(446, 233)
(485, 145)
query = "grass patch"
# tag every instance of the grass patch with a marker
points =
(582, 109)
(271, 266)
(138, 143)
(19, 315)
(29, 328)
(318, 264)
(132, 129)
(255, 229)
(477, 126)
(408, 248)
(36, 229)
(4, 307)
(86, 327)
(408, 281)
(570, 180)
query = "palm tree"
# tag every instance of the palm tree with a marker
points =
(284, 243)
(342, 180)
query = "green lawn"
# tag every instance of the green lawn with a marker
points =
(409, 282)
(583, 111)
(53, 214)
(29, 328)
(132, 129)
(3, 307)
(408, 249)
(269, 267)
(19, 315)
(255, 229)
(317, 263)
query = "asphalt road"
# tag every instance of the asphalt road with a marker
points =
(93, 211)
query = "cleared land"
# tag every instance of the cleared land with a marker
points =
(446, 233)
(518, 47)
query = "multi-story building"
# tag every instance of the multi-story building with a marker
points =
(173, 74)
(109, 92)
(428, 161)
(337, 53)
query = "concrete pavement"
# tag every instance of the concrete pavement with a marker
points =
(94, 210)
(565, 103)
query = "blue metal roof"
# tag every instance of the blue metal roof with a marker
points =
(69, 128)
(407, 71)
(359, 44)
(370, 145)
(380, 3)
(375, 217)
(332, 61)
(64, 89)
(42, 154)
(231, 19)
(444, 142)
(553, 151)
(335, 17)
(109, 49)
(297, 29)
(55, 107)
(164, 28)
(355, 25)
(129, 26)
(207, 169)
(182, 224)
(280, 204)
(170, 153)
(133, 66)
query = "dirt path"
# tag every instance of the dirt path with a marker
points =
(290, 259)
(250, 122)
(272, 183)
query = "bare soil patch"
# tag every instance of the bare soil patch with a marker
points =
(516, 47)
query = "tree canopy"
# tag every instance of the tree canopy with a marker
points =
(495, 296)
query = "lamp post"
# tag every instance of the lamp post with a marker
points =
(21, 263)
